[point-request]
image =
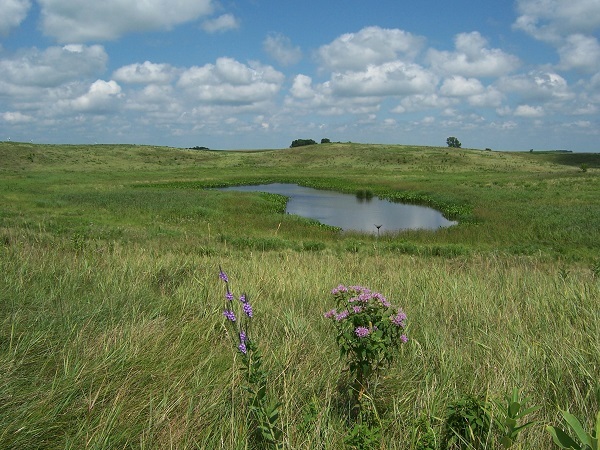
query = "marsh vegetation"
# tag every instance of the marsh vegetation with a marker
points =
(111, 325)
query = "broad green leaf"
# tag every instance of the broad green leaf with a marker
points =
(506, 442)
(577, 428)
(513, 409)
(561, 439)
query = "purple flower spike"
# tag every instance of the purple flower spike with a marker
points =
(243, 337)
(242, 348)
(243, 298)
(362, 332)
(404, 339)
(229, 296)
(247, 309)
(223, 276)
(229, 314)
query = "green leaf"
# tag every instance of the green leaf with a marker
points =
(577, 428)
(561, 439)
(513, 409)
(506, 442)
(529, 411)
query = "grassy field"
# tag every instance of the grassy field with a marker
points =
(111, 332)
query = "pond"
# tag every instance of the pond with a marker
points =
(350, 212)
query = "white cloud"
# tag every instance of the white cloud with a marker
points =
(529, 111)
(472, 58)
(99, 98)
(221, 24)
(281, 49)
(302, 87)
(491, 98)
(420, 102)
(537, 85)
(371, 45)
(458, 86)
(388, 79)
(231, 82)
(580, 52)
(145, 73)
(84, 20)
(16, 117)
(547, 20)
(53, 66)
(13, 13)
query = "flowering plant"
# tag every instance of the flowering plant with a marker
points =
(369, 331)
(263, 416)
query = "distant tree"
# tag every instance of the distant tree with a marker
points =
(325, 141)
(302, 142)
(453, 142)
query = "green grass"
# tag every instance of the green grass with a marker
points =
(111, 333)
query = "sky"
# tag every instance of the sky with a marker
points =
(253, 74)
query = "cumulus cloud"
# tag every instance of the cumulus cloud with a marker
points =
(472, 58)
(221, 24)
(529, 111)
(231, 82)
(53, 66)
(537, 85)
(420, 102)
(16, 117)
(100, 97)
(547, 20)
(302, 87)
(458, 86)
(82, 21)
(145, 73)
(13, 13)
(370, 46)
(490, 98)
(580, 52)
(281, 49)
(388, 79)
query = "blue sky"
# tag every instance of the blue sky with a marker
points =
(508, 75)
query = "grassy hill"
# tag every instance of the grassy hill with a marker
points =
(111, 326)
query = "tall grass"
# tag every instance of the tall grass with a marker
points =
(128, 349)
(111, 329)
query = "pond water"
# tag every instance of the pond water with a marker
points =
(351, 213)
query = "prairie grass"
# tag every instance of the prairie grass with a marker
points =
(111, 327)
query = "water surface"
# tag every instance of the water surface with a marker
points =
(351, 213)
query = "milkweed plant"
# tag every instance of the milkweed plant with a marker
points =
(369, 330)
(263, 415)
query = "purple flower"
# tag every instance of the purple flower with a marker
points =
(341, 315)
(340, 289)
(229, 314)
(384, 302)
(243, 298)
(362, 332)
(229, 296)
(330, 314)
(242, 348)
(357, 309)
(223, 275)
(404, 339)
(243, 337)
(247, 309)
(399, 319)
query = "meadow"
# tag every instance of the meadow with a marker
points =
(111, 325)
